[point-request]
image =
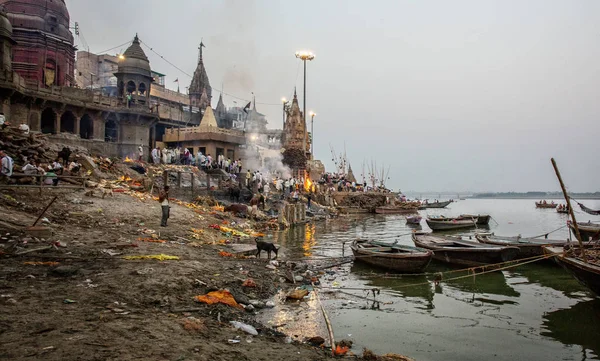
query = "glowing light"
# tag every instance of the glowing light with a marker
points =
(312, 114)
(284, 100)
(307, 185)
(128, 160)
(121, 57)
(305, 55)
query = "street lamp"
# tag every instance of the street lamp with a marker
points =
(284, 102)
(312, 134)
(304, 56)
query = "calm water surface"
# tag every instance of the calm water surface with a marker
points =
(532, 312)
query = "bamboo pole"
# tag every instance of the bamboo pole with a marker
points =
(564, 190)
(329, 328)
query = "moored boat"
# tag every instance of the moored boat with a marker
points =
(528, 247)
(447, 224)
(589, 231)
(414, 220)
(464, 253)
(545, 205)
(395, 210)
(587, 273)
(482, 219)
(435, 205)
(395, 257)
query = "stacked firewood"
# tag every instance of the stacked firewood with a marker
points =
(20, 146)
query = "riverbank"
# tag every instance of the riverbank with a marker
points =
(75, 295)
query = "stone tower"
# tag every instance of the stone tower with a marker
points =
(6, 42)
(134, 75)
(200, 90)
(295, 129)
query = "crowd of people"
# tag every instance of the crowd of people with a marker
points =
(32, 170)
(183, 156)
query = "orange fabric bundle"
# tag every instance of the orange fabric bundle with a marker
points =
(221, 296)
(341, 351)
(225, 254)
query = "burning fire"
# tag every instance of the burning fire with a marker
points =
(125, 178)
(128, 160)
(307, 185)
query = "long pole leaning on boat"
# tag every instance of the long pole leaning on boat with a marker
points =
(571, 213)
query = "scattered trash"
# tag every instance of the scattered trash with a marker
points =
(249, 308)
(298, 278)
(110, 253)
(67, 301)
(257, 303)
(288, 339)
(341, 351)
(249, 283)
(222, 296)
(244, 327)
(234, 341)
(193, 324)
(152, 240)
(270, 304)
(225, 254)
(297, 294)
(274, 263)
(160, 257)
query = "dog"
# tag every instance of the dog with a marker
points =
(265, 246)
(105, 192)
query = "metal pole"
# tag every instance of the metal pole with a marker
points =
(283, 113)
(304, 113)
(312, 136)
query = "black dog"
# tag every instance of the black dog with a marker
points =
(265, 246)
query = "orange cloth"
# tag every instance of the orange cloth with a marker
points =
(221, 296)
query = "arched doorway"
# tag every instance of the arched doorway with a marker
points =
(142, 89)
(86, 127)
(48, 121)
(67, 122)
(130, 87)
(34, 123)
(111, 131)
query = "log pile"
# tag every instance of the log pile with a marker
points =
(294, 158)
(20, 146)
(366, 201)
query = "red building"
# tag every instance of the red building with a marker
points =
(44, 53)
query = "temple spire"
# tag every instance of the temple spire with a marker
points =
(200, 51)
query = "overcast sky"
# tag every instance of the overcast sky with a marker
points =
(454, 95)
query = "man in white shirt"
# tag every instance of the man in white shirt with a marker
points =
(7, 165)
(156, 156)
(140, 153)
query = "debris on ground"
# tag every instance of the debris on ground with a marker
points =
(222, 296)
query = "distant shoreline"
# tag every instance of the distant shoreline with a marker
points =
(536, 198)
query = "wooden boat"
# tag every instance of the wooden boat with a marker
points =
(545, 205)
(586, 273)
(464, 253)
(589, 231)
(352, 210)
(482, 219)
(435, 205)
(528, 247)
(562, 210)
(447, 224)
(414, 220)
(395, 257)
(395, 210)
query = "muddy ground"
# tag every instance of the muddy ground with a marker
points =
(94, 305)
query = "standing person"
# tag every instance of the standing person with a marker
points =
(164, 155)
(128, 100)
(309, 198)
(239, 164)
(140, 153)
(7, 166)
(248, 177)
(186, 157)
(156, 155)
(163, 198)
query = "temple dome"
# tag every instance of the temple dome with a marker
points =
(136, 61)
(50, 17)
(6, 29)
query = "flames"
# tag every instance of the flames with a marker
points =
(128, 160)
(125, 178)
(307, 185)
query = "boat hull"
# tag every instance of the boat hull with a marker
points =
(394, 210)
(449, 225)
(586, 273)
(415, 220)
(470, 257)
(588, 231)
(481, 219)
(352, 210)
(415, 262)
(435, 205)
(546, 205)
(526, 249)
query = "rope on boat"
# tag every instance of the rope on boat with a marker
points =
(471, 270)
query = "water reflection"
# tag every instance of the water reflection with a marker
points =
(549, 275)
(577, 325)
(309, 239)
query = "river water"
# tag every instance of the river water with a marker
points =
(532, 312)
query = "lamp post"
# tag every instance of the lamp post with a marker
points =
(312, 134)
(284, 102)
(304, 56)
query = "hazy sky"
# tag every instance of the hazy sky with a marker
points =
(454, 95)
